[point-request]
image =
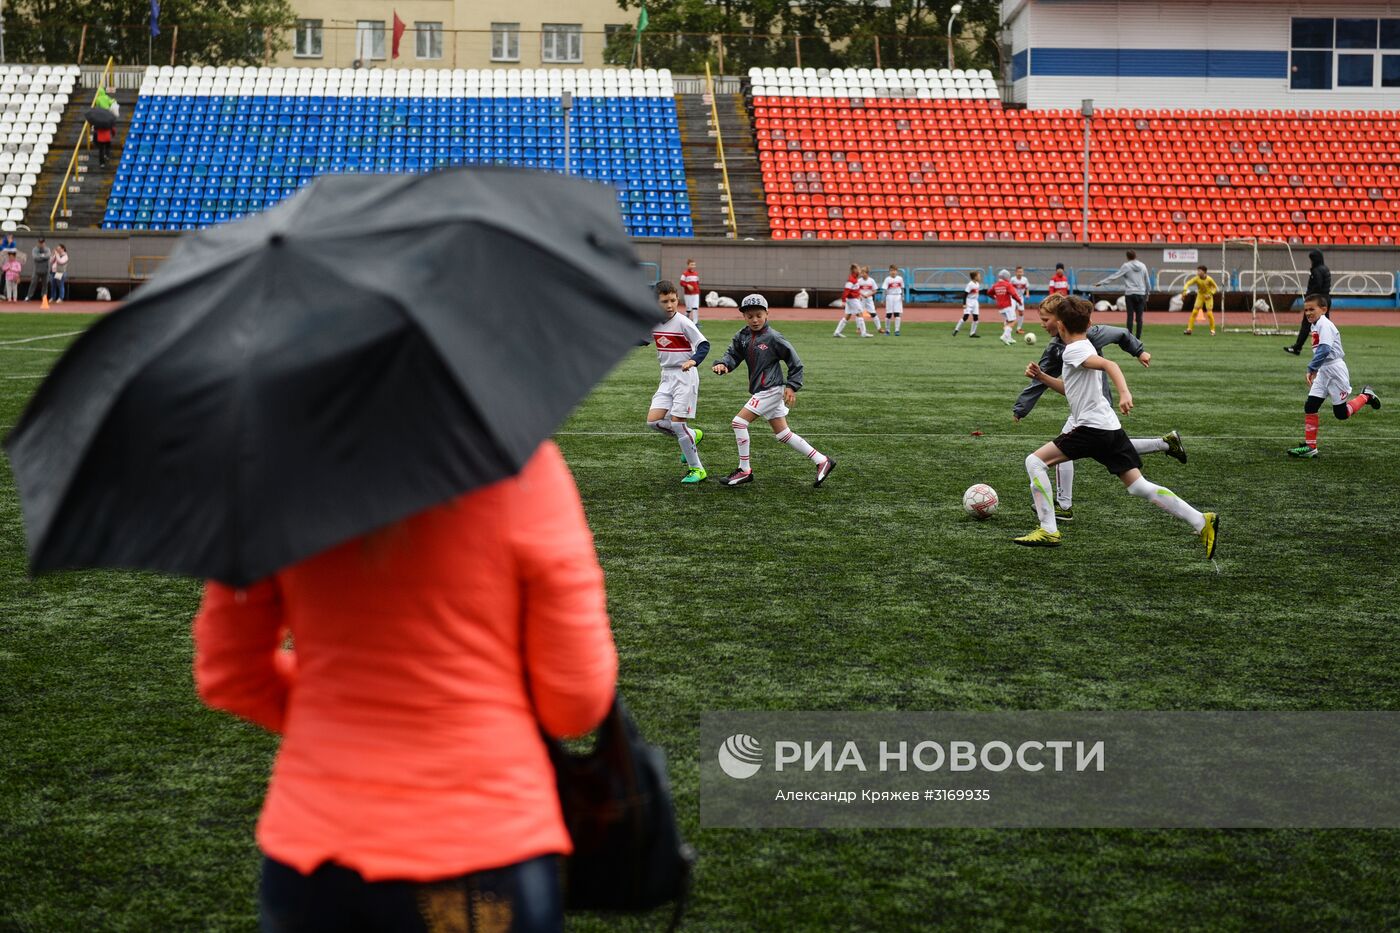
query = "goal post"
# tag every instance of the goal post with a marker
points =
(1257, 284)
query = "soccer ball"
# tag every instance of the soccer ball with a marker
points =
(1030, 339)
(980, 501)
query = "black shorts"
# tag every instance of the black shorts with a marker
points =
(1111, 448)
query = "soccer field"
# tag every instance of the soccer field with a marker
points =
(126, 805)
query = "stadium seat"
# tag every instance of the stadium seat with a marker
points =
(207, 145)
(986, 171)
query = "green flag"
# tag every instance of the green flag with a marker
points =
(637, 45)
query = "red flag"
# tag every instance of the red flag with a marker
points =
(399, 27)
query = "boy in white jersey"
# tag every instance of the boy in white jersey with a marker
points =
(850, 294)
(1096, 433)
(1327, 376)
(867, 298)
(680, 348)
(894, 300)
(1023, 294)
(971, 309)
(690, 288)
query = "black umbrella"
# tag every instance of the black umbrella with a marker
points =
(369, 348)
(101, 118)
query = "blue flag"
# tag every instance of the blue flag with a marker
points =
(155, 17)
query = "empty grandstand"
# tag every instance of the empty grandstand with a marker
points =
(208, 145)
(32, 100)
(911, 154)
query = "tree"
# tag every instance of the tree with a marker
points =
(212, 32)
(683, 34)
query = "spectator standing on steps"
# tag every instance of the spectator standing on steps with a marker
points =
(102, 135)
(1319, 283)
(8, 244)
(1135, 286)
(39, 279)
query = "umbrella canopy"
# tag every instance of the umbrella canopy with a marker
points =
(367, 349)
(101, 118)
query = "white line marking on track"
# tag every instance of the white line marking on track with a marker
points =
(10, 343)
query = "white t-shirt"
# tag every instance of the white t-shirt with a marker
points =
(893, 286)
(1325, 334)
(972, 289)
(1084, 389)
(1023, 287)
(676, 340)
(867, 286)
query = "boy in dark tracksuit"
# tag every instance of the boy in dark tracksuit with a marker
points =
(765, 350)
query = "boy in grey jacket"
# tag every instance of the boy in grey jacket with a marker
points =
(765, 350)
(1052, 363)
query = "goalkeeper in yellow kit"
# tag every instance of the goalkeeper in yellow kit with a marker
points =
(1205, 298)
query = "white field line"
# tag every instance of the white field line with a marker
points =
(986, 438)
(10, 343)
(37, 349)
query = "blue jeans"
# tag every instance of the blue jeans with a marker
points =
(522, 898)
(58, 288)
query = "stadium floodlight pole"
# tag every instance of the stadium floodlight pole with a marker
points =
(952, 15)
(566, 103)
(1087, 109)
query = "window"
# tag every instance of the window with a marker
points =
(561, 43)
(1356, 70)
(369, 40)
(308, 38)
(428, 37)
(1344, 53)
(1390, 71)
(505, 42)
(1312, 71)
(1312, 33)
(1356, 34)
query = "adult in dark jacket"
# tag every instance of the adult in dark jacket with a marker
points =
(1052, 362)
(1319, 283)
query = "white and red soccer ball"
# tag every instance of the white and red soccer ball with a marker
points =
(980, 501)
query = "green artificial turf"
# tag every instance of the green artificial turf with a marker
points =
(125, 805)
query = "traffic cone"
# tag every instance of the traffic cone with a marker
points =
(44, 305)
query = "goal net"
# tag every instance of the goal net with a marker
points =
(1259, 280)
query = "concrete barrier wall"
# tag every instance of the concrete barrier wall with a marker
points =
(728, 266)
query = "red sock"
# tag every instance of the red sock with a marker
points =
(1357, 404)
(1310, 429)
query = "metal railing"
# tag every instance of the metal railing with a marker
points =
(60, 203)
(719, 147)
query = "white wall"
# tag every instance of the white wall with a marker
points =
(1186, 25)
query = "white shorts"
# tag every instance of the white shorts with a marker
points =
(768, 404)
(868, 306)
(1008, 314)
(853, 306)
(894, 305)
(679, 392)
(1332, 380)
(972, 309)
(1018, 306)
(692, 302)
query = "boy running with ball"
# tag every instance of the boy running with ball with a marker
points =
(765, 350)
(680, 348)
(1095, 432)
(1327, 376)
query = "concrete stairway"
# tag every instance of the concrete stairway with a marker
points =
(89, 184)
(704, 180)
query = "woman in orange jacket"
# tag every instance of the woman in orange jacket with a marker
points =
(413, 790)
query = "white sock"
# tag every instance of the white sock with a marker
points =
(663, 425)
(860, 325)
(961, 321)
(1064, 484)
(840, 326)
(898, 319)
(795, 441)
(974, 325)
(686, 437)
(1040, 492)
(1149, 445)
(741, 437)
(1169, 501)
(1006, 331)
